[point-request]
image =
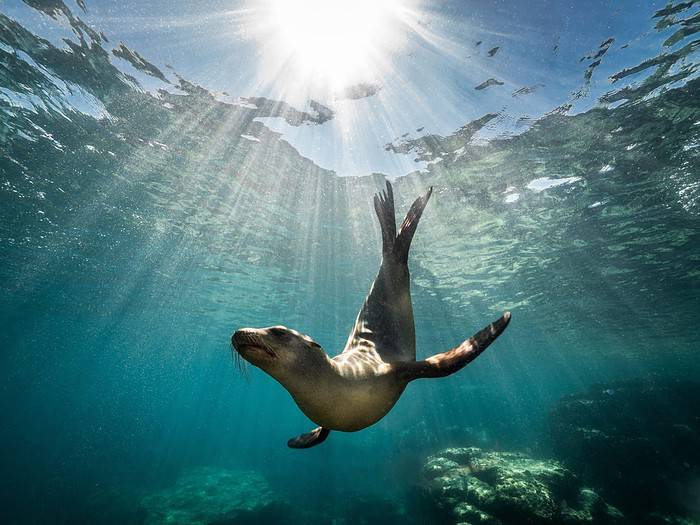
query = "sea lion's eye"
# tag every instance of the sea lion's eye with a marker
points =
(278, 332)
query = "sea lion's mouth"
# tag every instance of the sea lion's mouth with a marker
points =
(247, 349)
(246, 343)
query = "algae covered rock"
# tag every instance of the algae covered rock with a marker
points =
(478, 487)
(208, 495)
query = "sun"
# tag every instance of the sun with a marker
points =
(331, 42)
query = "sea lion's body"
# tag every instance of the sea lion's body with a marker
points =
(360, 386)
(350, 403)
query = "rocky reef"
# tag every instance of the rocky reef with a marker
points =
(639, 441)
(216, 496)
(207, 495)
(478, 487)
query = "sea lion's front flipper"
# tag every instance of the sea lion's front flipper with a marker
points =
(317, 436)
(446, 363)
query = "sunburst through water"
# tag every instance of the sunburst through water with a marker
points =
(171, 172)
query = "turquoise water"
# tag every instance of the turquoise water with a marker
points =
(139, 229)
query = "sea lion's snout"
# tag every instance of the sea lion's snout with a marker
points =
(239, 337)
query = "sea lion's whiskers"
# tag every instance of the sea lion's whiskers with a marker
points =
(241, 364)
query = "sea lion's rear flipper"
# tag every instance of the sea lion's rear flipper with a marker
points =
(384, 206)
(317, 436)
(409, 225)
(441, 365)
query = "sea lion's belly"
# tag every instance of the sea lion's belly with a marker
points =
(351, 404)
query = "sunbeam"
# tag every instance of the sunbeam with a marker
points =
(329, 43)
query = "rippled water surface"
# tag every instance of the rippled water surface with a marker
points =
(146, 214)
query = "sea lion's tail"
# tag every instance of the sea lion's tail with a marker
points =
(398, 245)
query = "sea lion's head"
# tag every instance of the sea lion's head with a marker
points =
(277, 350)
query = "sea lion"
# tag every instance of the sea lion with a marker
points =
(358, 387)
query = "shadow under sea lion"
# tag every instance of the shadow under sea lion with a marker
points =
(358, 387)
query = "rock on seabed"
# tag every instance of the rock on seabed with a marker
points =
(471, 486)
(207, 495)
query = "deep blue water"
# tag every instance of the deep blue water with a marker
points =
(138, 231)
